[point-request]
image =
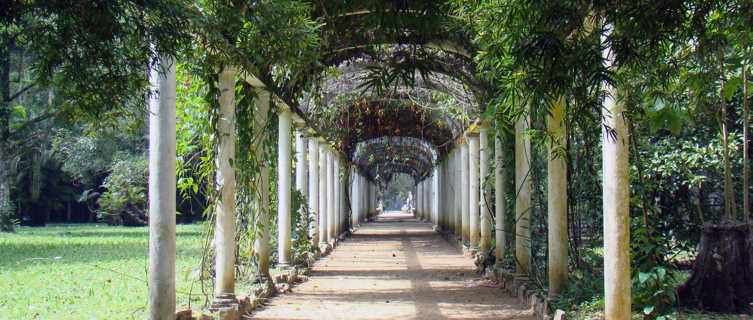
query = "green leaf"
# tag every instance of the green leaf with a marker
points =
(20, 112)
(661, 272)
(648, 309)
(731, 86)
(643, 276)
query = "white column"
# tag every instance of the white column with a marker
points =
(429, 208)
(616, 195)
(261, 244)
(523, 197)
(417, 197)
(224, 235)
(448, 194)
(364, 189)
(353, 199)
(366, 203)
(283, 187)
(301, 169)
(459, 192)
(427, 200)
(500, 211)
(435, 196)
(421, 208)
(331, 196)
(441, 197)
(473, 170)
(486, 215)
(313, 196)
(374, 197)
(323, 235)
(424, 200)
(465, 179)
(337, 195)
(343, 195)
(162, 192)
(359, 197)
(557, 200)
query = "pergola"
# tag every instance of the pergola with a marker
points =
(378, 107)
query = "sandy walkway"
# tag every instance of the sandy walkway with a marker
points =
(395, 268)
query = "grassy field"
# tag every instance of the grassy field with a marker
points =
(87, 271)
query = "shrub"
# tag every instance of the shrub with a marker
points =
(7, 222)
(124, 200)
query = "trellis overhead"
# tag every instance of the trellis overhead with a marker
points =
(389, 69)
(381, 157)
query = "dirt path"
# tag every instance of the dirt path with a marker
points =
(395, 268)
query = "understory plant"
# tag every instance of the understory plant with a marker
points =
(584, 290)
(302, 246)
(7, 222)
(124, 201)
(653, 279)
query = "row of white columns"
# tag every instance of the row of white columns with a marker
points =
(363, 199)
(455, 196)
(319, 175)
(426, 197)
(466, 198)
(459, 195)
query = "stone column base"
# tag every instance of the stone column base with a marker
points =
(284, 265)
(226, 307)
(324, 247)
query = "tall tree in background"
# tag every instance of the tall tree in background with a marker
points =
(93, 54)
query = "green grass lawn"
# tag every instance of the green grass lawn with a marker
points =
(87, 271)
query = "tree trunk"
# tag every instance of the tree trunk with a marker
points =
(725, 156)
(5, 159)
(722, 276)
(5, 209)
(746, 172)
(699, 210)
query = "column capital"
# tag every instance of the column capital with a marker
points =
(302, 133)
(282, 108)
(298, 122)
(229, 68)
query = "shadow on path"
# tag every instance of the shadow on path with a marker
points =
(394, 268)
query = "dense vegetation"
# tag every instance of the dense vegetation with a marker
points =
(72, 121)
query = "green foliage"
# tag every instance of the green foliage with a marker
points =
(654, 282)
(124, 200)
(98, 271)
(88, 156)
(79, 47)
(301, 219)
(398, 188)
(7, 222)
(585, 285)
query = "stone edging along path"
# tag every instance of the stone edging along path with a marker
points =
(294, 277)
(515, 287)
